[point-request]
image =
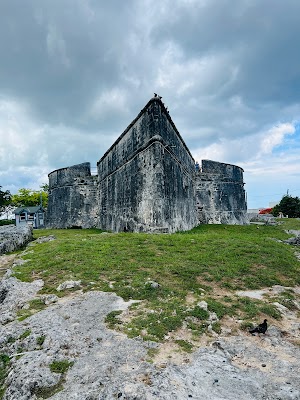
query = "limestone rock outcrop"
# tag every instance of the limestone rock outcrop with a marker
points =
(13, 238)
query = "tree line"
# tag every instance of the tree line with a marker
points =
(23, 198)
(289, 206)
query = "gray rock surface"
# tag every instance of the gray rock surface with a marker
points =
(68, 285)
(108, 365)
(293, 241)
(13, 238)
(15, 294)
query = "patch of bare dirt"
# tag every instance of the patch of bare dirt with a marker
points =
(6, 262)
(216, 290)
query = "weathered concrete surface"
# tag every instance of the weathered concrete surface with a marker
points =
(13, 238)
(108, 365)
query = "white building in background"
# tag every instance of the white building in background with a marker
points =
(30, 215)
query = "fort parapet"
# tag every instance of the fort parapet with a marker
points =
(147, 182)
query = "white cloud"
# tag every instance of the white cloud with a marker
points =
(108, 102)
(76, 73)
(275, 136)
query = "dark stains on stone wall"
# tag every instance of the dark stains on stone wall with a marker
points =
(146, 177)
(73, 198)
(147, 182)
(220, 194)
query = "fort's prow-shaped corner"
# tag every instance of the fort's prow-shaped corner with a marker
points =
(147, 182)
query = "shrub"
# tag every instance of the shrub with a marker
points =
(199, 313)
(60, 367)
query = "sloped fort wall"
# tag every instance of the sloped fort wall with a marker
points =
(147, 182)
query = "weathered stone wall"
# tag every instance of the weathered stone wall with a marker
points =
(146, 177)
(147, 182)
(73, 200)
(220, 194)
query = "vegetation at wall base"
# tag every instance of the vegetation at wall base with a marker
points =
(170, 273)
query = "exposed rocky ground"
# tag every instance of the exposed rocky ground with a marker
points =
(13, 238)
(65, 351)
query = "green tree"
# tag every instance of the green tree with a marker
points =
(5, 199)
(28, 197)
(288, 206)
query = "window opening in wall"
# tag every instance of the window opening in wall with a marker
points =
(23, 217)
(30, 217)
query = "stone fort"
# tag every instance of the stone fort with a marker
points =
(147, 181)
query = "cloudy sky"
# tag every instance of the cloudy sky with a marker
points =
(75, 73)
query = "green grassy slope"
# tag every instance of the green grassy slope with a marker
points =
(200, 264)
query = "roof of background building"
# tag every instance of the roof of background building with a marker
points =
(31, 210)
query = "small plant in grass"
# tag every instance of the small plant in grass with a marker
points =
(270, 310)
(25, 334)
(48, 391)
(287, 299)
(151, 353)
(216, 327)
(199, 313)
(197, 328)
(249, 307)
(112, 319)
(227, 299)
(40, 340)
(246, 325)
(185, 345)
(289, 303)
(288, 294)
(159, 321)
(23, 314)
(11, 340)
(4, 366)
(162, 325)
(217, 307)
(20, 349)
(37, 304)
(60, 367)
